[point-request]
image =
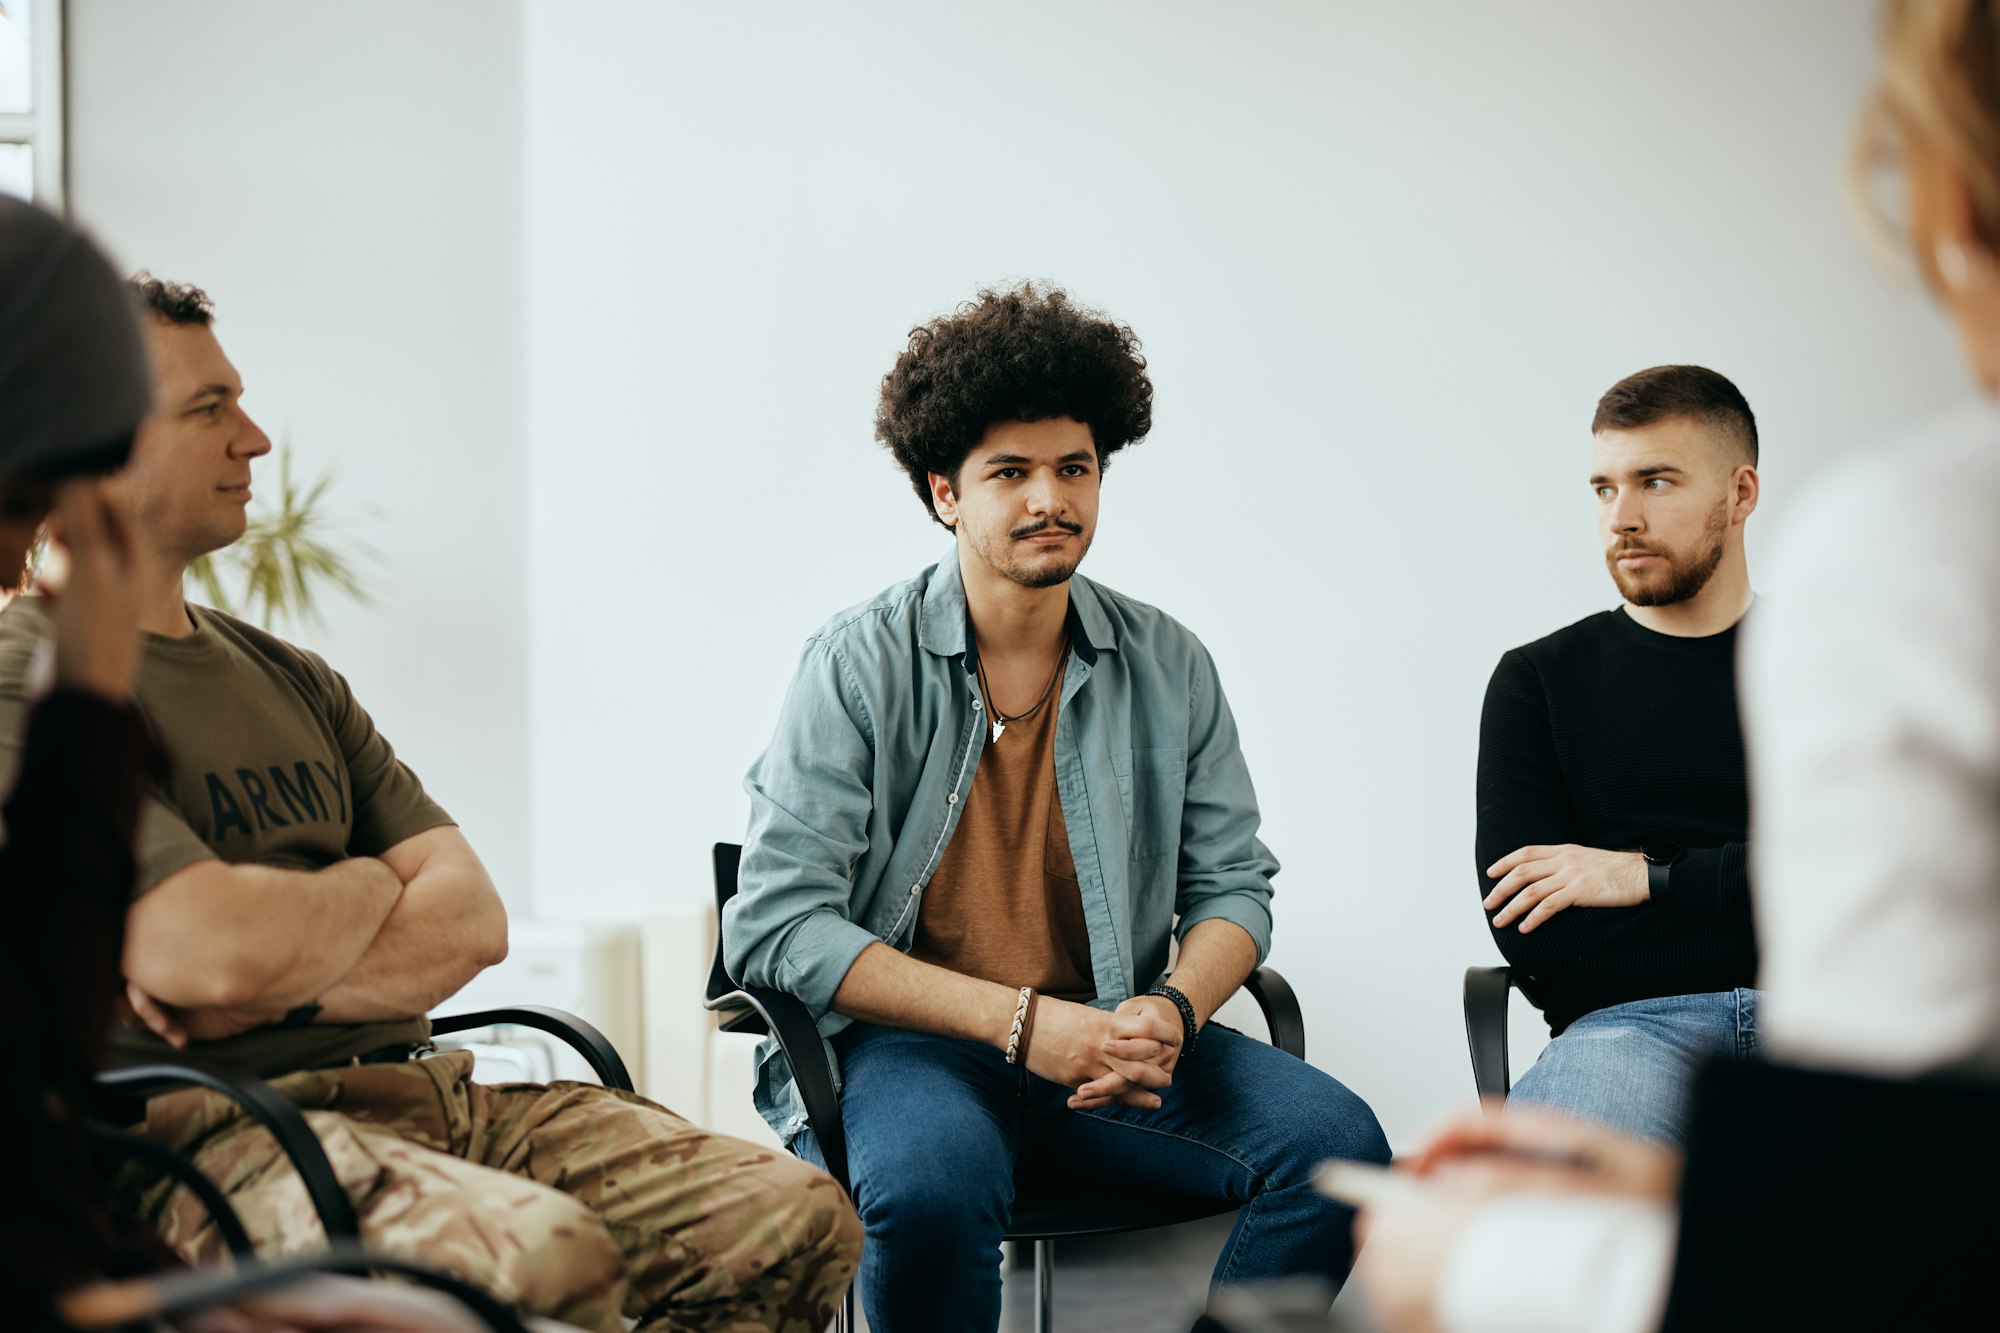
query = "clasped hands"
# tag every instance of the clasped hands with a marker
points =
(1123, 1057)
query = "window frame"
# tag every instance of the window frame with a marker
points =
(41, 126)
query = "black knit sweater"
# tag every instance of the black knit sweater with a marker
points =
(1610, 735)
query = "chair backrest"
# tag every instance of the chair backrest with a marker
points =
(728, 858)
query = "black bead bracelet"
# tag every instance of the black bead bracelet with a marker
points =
(1189, 1028)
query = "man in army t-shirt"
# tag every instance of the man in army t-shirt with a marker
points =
(301, 905)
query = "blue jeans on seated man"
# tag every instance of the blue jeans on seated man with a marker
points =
(934, 1123)
(1630, 1066)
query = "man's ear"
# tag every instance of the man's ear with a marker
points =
(943, 502)
(1744, 488)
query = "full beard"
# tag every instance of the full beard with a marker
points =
(1684, 577)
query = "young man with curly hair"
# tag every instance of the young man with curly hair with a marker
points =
(995, 793)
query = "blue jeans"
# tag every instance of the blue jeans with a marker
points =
(934, 1124)
(1630, 1066)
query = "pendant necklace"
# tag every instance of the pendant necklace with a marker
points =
(1000, 720)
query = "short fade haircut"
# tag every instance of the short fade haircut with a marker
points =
(1023, 353)
(1694, 393)
(180, 303)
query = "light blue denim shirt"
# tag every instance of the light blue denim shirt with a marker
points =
(853, 803)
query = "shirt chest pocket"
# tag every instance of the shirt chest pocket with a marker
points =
(1151, 786)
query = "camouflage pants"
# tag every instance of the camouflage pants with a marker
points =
(574, 1201)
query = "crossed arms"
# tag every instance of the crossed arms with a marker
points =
(217, 949)
(1533, 865)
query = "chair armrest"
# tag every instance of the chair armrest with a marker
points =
(167, 1295)
(109, 1145)
(1274, 995)
(1486, 1027)
(591, 1044)
(274, 1112)
(787, 1018)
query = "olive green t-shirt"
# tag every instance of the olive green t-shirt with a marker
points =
(272, 762)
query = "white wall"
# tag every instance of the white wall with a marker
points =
(345, 181)
(1383, 258)
(589, 303)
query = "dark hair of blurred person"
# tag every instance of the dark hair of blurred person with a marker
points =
(73, 389)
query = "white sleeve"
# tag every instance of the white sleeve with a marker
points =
(1559, 1263)
(1870, 685)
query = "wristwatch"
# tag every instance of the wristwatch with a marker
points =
(1660, 857)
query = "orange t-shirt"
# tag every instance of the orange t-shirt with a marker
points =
(1004, 904)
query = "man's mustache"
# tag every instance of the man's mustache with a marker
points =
(1073, 529)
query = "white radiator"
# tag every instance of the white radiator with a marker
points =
(643, 986)
(590, 969)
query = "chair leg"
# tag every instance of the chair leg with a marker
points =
(1045, 1291)
(843, 1317)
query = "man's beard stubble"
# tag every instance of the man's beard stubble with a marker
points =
(1685, 576)
(1039, 575)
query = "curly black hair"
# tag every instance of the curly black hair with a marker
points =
(1021, 354)
(180, 303)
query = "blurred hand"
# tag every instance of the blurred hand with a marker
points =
(313, 1304)
(1411, 1233)
(1408, 1240)
(1529, 1148)
(96, 610)
(352, 1305)
(1541, 881)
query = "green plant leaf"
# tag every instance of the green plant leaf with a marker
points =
(284, 564)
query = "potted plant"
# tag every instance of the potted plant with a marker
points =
(288, 559)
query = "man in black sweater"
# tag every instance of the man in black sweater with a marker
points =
(1613, 802)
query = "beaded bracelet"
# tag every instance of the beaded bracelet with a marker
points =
(1020, 1021)
(1190, 1030)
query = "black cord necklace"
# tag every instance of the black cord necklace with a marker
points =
(1000, 720)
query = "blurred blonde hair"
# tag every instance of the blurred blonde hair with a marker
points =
(1936, 101)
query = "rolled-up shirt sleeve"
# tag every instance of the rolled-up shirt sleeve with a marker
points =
(1225, 870)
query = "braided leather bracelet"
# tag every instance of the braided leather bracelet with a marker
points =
(1020, 1022)
(1190, 1030)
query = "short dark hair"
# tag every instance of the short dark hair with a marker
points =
(175, 302)
(1023, 353)
(1694, 392)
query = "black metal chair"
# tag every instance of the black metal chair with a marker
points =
(110, 1148)
(122, 1098)
(121, 1304)
(583, 1037)
(123, 1088)
(1047, 1207)
(1486, 990)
